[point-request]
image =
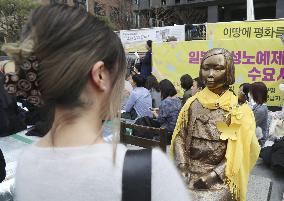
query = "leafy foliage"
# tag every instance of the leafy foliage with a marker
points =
(13, 14)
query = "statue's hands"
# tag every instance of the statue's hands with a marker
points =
(206, 181)
(183, 168)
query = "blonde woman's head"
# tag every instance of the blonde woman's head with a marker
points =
(81, 60)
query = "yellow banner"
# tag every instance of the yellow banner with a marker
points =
(255, 60)
(245, 30)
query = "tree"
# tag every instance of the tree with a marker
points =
(189, 15)
(156, 17)
(122, 14)
(162, 14)
(99, 11)
(13, 14)
(108, 22)
(172, 15)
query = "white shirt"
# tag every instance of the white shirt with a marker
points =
(128, 86)
(87, 173)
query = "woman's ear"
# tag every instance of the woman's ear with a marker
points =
(99, 76)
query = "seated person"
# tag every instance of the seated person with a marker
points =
(12, 118)
(39, 116)
(197, 86)
(168, 111)
(152, 85)
(186, 83)
(140, 101)
(273, 155)
(258, 92)
(243, 93)
(275, 122)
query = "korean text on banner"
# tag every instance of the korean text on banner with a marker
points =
(134, 40)
(245, 30)
(257, 60)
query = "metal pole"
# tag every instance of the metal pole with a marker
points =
(250, 10)
(87, 5)
(138, 14)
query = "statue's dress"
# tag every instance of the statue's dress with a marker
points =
(199, 146)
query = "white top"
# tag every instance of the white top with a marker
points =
(87, 173)
(128, 86)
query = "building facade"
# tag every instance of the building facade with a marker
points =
(217, 10)
(128, 14)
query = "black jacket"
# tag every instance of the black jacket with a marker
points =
(12, 118)
(274, 155)
(2, 167)
(146, 67)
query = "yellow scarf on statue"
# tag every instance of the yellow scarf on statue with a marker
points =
(242, 148)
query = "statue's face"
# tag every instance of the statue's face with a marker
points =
(213, 72)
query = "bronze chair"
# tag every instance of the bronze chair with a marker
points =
(143, 142)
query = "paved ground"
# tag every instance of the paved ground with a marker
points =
(265, 175)
(277, 179)
(12, 146)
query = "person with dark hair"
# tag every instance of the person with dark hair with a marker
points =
(12, 117)
(138, 81)
(149, 44)
(197, 86)
(72, 161)
(140, 100)
(152, 85)
(168, 111)
(37, 116)
(146, 65)
(167, 89)
(259, 93)
(243, 93)
(186, 83)
(273, 150)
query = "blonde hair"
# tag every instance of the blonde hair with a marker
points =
(67, 45)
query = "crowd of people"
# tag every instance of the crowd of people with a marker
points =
(157, 100)
(164, 100)
(70, 101)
